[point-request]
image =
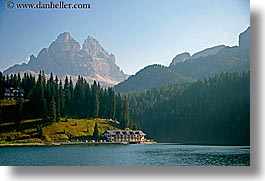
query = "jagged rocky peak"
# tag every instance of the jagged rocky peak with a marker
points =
(65, 37)
(92, 40)
(94, 49)
(65, 57)
(32, 59)
(180, 58)
(64, 42)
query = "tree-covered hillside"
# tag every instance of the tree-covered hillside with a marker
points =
(150, 77)
(210, 111)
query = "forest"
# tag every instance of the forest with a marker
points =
(213, 110)
(52, 99)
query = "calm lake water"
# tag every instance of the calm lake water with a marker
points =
(126, 155)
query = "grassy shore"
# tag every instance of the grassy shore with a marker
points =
(36, 131)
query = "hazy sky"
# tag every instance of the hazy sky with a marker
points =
(137, 32)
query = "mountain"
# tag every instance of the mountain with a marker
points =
(204, 53)
(186, 68)
(65, 57)
(150, 77)
(208, 51)
(241, 51)
(212, 61)
(180, 58)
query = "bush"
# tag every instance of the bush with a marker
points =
(9, 138)
(47, 138)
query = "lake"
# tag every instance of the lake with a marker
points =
(126, 155)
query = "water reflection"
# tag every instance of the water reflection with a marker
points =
(128, 155)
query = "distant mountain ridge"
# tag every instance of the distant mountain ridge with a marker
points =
(203, 64)
(204, 53)
(65, 56)
(180, 58)
(212, 61)
(208, 51)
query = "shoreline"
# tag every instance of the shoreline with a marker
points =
(58, 144)
(66, 144)
(98, 144)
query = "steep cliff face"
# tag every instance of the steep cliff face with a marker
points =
(243, 50)
(66, 57)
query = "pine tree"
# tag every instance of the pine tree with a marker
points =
(2, 85)
(118, 115)
(71, 93)
(40, 100)
(1, 116)
(40, 131)
(95, 100)
(125, 120)
(61, 98)
(19, 110)
(58, 113)
(112, 103)
(53, 110)
(96, 135)
(67, 98)
(88, 101)
(78, 97)
(57, 100)
(103, 109)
